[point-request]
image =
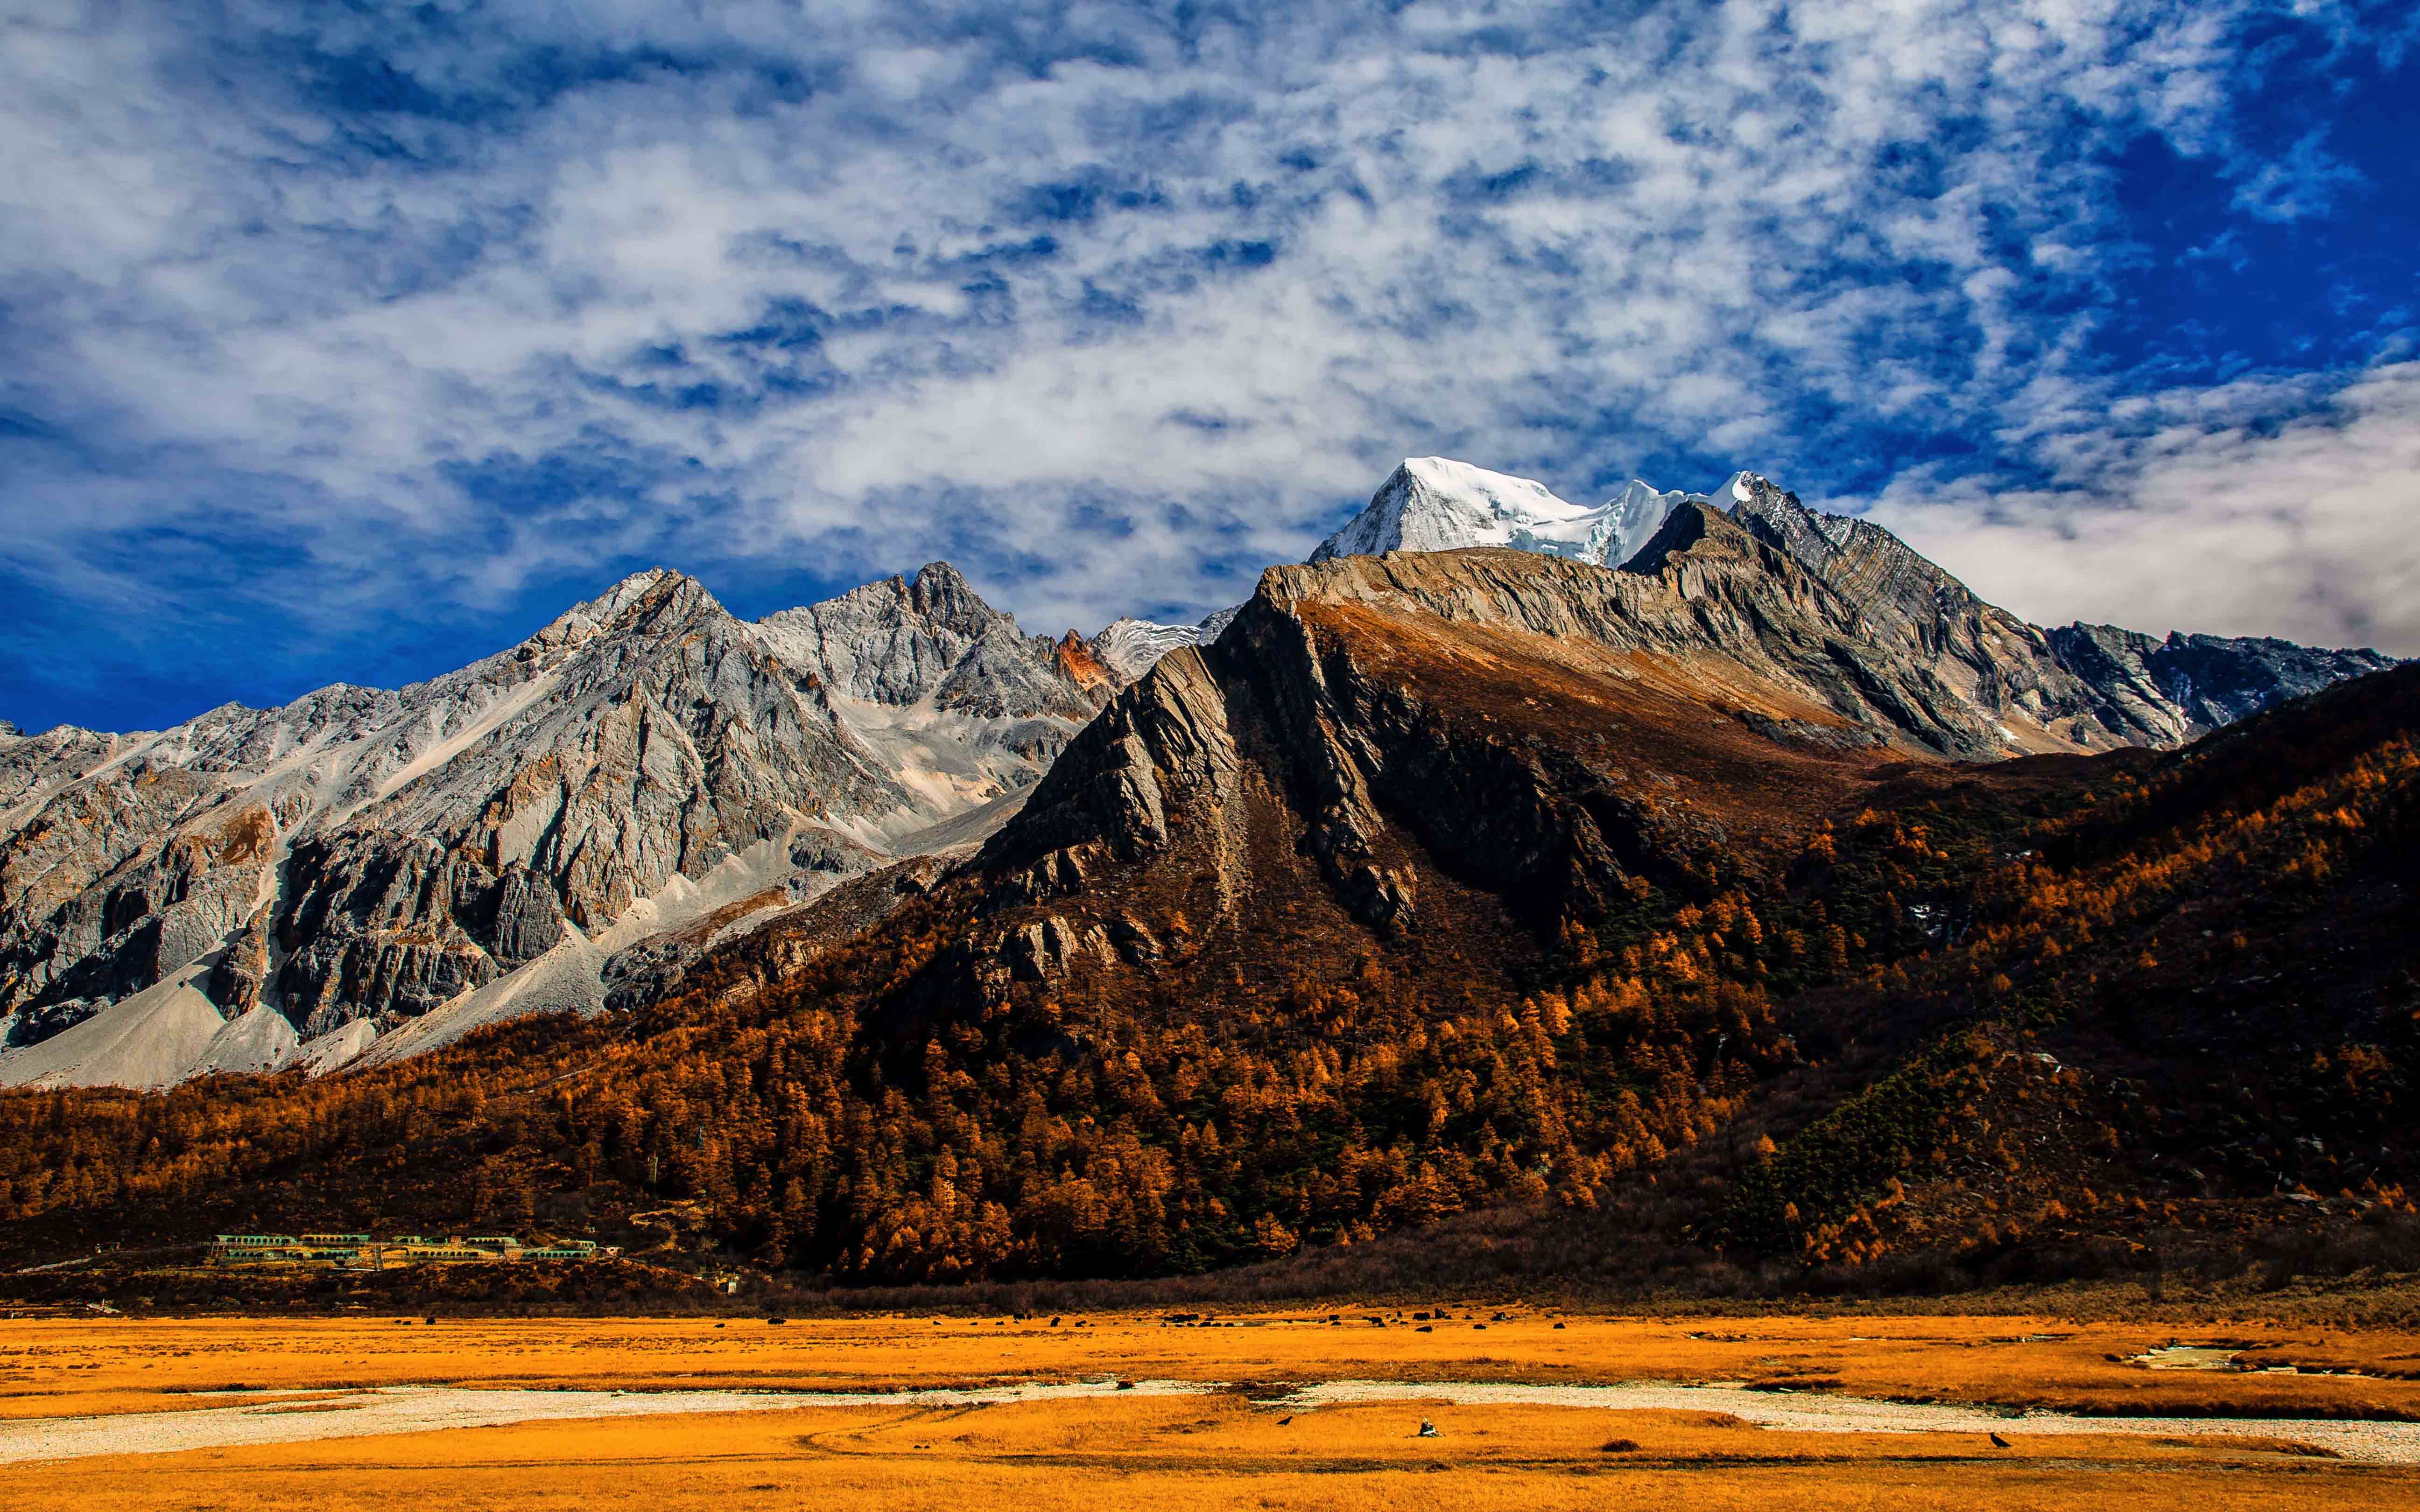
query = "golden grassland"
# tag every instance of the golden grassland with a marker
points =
(1212, 1450)
(1206, 1452)
(65, 1365)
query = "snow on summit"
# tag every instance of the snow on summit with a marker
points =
(1435, 503)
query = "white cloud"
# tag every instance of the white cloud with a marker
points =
(304, 330)
(2242, 510)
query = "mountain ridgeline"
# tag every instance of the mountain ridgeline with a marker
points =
(259, 887)
(2025, 688)
(1752, 900)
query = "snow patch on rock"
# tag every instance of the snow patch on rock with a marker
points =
(1131, 647)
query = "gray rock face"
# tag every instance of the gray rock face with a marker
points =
(2205, 680)
(32, 1026)
(374, 927)
(31, 765)
(1053, 947)
(106, 899)
(529, 919)
(2088, 688)
(365, 854)
(940, 688)
(780, 943)
(1110, 792)
(241, 971)
(904, 642)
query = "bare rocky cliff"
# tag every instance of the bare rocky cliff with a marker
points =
(2080, 688)
(367, 855)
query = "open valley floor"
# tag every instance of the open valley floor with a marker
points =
(1455, 1405)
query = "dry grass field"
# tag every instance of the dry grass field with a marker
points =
(1215, 1448)
(1185, 1453)
(54, 1366)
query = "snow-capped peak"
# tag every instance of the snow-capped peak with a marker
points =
(1739, 488)
(1633, 516)
(1501, 494)
(1434, 503)
(1128, 646)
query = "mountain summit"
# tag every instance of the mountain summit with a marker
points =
(1434, 503)
(1985, 682)
(400, 866)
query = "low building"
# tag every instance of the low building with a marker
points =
(249, 1248)
(365, 1252)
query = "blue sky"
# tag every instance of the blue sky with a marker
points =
(354, 341)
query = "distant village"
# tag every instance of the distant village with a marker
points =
(361, 1252)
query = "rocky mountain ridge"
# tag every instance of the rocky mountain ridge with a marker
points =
(1550, 732)
(1483, 707)
(371, 856)
(2078, 688)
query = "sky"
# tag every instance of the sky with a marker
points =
(350, 342)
